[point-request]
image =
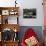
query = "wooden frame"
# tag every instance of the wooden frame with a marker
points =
(5, 12)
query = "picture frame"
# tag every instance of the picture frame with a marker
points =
(29, 13)
(5, 12)
(13, 12)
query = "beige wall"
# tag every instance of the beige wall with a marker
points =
(39, 8)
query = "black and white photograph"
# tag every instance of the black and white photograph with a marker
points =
(29, 13)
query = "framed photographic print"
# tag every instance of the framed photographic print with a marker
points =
(5, 12)
(13, 12)
(29, 13)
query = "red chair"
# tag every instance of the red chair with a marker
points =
(29, 33)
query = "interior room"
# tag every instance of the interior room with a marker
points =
(22, 23)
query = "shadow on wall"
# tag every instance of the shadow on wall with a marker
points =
(37, 29)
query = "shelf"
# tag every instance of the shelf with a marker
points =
(11, 41)
(11, 15)
(5, 12)
(9, 10)
(5, 8)
(10, 26)
(10, 19)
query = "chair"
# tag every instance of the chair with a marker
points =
(29, 33)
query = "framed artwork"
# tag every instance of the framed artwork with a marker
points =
(5, 12)
(13, 12)
(29, 13)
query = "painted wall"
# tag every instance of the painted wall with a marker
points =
(6, 3)
(33, 22)
(27, 4)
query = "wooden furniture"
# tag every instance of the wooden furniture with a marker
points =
(5, 13)
(10, 43)
(10, 26)
(8, 11)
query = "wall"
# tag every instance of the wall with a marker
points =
(27, 4)
(6, 3)
(32, 22)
